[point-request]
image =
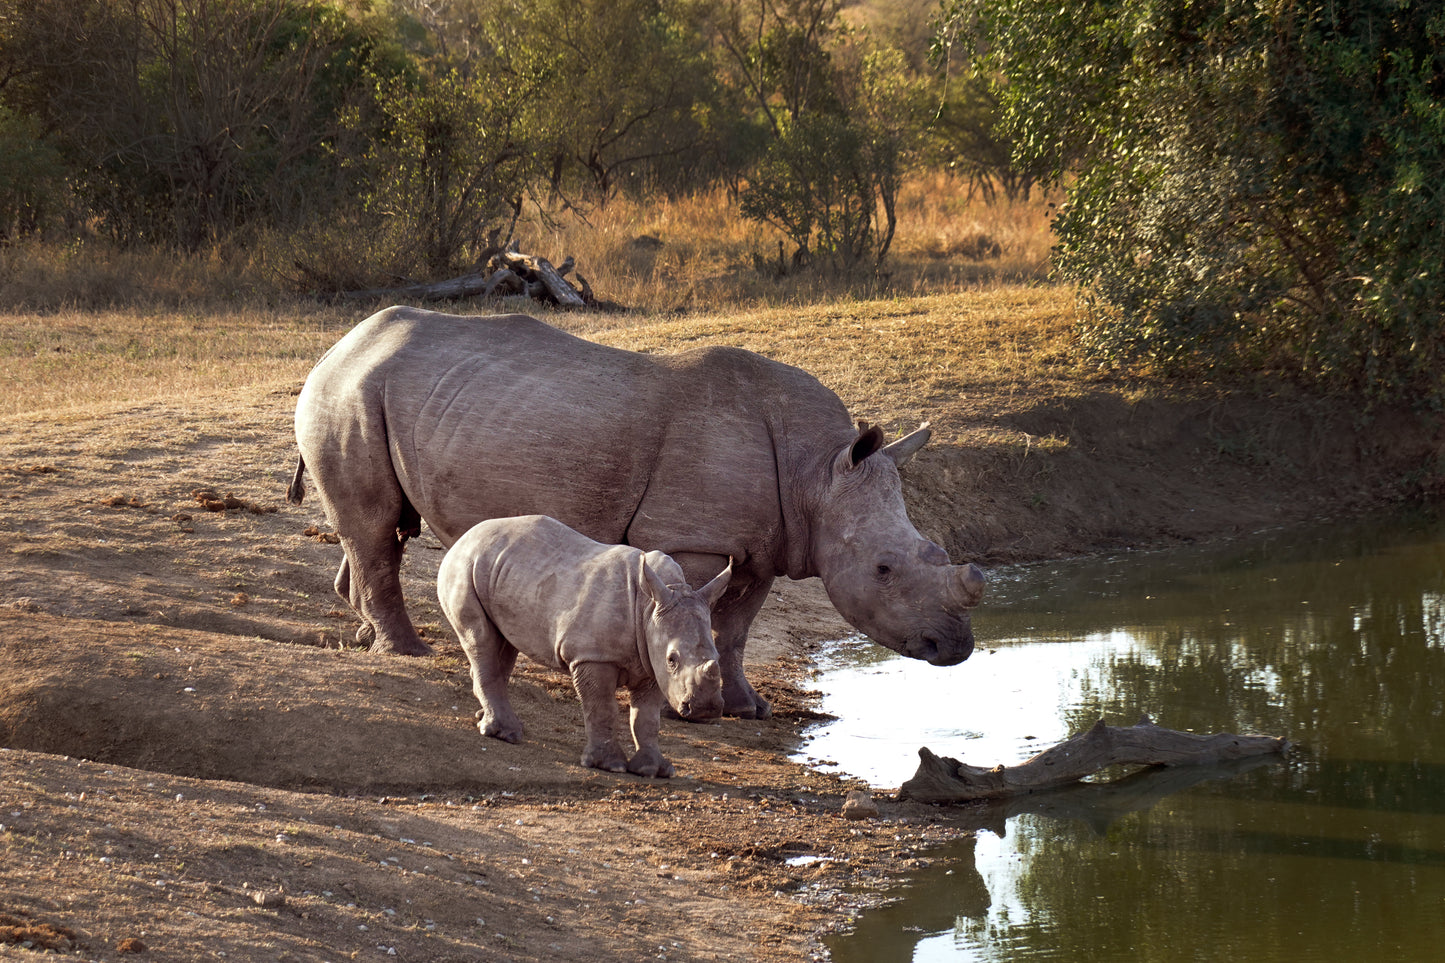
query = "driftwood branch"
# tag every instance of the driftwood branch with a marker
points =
(509, 272)
(1100, 804)
(941, 779)
(540, 270)
(466, 286)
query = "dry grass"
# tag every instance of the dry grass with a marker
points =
(88, 326)
(95, 275)
(74, 361)
(896, 360)
(892, 360)
(665, 254)
(696, 252)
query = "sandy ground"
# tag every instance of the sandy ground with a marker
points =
(198, 768)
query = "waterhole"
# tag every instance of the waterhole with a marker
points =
(1333, 637)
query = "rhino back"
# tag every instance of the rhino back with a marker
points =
(740, 459)
(488, 417)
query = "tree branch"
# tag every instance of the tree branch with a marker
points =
(941, 779)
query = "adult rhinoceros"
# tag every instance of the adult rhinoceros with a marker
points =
(706, 455)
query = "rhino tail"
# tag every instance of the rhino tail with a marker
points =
(297, 489)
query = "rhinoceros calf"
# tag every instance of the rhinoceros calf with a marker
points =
(608, 614)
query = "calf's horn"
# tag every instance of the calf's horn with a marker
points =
(968, 584)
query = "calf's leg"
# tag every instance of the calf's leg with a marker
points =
(596, 684)
(491, 656)
(647, 703)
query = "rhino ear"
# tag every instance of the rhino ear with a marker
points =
(653, 584)
(906, 447)
(714, 590)
(869, 440)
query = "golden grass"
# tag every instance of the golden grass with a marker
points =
(73, 360)
(892, 360)
(96, 275)
(889, 359)
(696, 252)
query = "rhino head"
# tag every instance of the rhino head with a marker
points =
(892, 584)
(678, 633)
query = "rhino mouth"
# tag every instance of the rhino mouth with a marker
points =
(936, 650)
(699, 710)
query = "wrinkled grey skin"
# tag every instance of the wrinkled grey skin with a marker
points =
(608, 614)
(706, 455)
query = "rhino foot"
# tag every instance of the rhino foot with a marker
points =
(650, 762)
(609, 758)
(497, 729)
(741, 700)
(405, 647)
(756, 708)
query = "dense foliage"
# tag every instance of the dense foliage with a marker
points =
(385, 138)
(1256, 182)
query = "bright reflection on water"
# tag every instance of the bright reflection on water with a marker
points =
(1333, 638)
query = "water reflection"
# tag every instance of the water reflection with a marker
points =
(1333, 638)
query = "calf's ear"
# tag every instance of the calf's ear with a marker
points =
(653, 584)
(714, 590)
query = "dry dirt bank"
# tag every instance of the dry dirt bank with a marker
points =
(183, 781)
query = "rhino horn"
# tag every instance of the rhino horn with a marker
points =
(968, 585)
(870, 440)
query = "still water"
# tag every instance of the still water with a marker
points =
(1333, 638)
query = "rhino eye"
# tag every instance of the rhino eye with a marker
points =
(884, 570)
(672, 662)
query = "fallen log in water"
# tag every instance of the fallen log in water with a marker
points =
(940, 779)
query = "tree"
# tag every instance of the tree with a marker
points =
(446, 173)
(631, 89)
(1250, 183)
(624, 94)
(841, 113)
(32, 172)
(964, 137)
(183, 119)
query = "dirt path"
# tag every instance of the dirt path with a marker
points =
(198, 769)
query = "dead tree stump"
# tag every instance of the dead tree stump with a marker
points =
(940, 779)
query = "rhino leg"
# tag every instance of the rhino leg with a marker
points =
(646, 717)
(370, 581)
(731, 618)
(730, 623)
(366, 632)
(491, 671)
(596, 684)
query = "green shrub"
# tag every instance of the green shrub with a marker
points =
(32, 174)
(1249, 184)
